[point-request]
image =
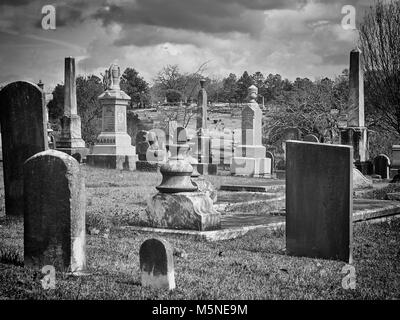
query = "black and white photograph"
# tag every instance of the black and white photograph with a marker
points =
(199, 155)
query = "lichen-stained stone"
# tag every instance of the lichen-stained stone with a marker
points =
(157, 264)
(360, 181)
(54, 212)
(206, 187)
(185, 210)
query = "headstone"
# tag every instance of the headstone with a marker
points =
(142, 144)
(382, 166)
(396, 156)
(319, 197)
(113, 148)
(23, 133)
(311, 138)
(70, 140)
(292, 133)
(157, 264)
(249, 158)
(270, 155)
(54, 212)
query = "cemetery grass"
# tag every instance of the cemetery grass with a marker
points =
(254, 266)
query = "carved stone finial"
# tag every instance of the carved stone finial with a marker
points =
(252, 93)
(114, 75)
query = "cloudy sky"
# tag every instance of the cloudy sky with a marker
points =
(291, 37)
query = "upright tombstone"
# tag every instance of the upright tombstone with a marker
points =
(71, 141)
(319, 200)
(203, 140)
(249, 158)
(157, 264)
(23, 133)
(355, 132)
(54, 212)
(113, 148)
(311, 138)
(382, 166)
(151, 154)
(270, 155)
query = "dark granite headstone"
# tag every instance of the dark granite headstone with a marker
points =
(319, 190)
(382, 165)
(54, 212)
(157, 264)
(24, 133)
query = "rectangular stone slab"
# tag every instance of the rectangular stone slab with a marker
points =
(319, 200)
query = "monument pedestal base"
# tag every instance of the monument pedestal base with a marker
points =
(252, 167)
(112, 161)
(184, 210)
(206, 187)
(207, 168)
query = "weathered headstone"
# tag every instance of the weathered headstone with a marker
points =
(142, 144)
(311, 138)
(113, 148)
(54, 212)
(23, 133)
(157, 264)
(382, 166)
(319, 197)
(292, 133)
(249, 158)
(270, 155)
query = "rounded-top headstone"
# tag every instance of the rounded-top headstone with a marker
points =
(24, 133)
(54, 212)
(382, 165)
(311, 138)
(157, 264)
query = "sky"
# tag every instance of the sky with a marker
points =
(303, 38)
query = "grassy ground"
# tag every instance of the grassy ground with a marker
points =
(252, 267)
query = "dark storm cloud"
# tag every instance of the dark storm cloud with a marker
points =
(208, 16)
(15, 3)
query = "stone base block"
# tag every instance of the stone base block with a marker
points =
(120, 162)
(82, 152)
(206, 187)
(207, 168)
(185, 210)
(253, 167)
(148, 166)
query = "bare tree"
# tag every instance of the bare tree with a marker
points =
(380, 42)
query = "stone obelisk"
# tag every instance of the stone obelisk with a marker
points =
(71, 141)
(203, 140)
(356, 134)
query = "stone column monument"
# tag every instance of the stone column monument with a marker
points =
(180, 204)
(113, 148)
(203, 140)
(71, 141)
(355, 132)
(249, 158)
